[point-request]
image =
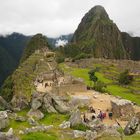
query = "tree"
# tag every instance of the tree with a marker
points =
(125, 78)
(92, 76)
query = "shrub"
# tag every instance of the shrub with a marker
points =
(60, 59)
(92, 75)
(81, 56)
(125, 78)
(80, 127)
(100, 86)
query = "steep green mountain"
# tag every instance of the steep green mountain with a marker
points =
(97, 27)
(132, 45)
(37, 42)
(11, 48)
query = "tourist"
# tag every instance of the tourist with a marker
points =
(100, 115)
(92, 110)
(110, 115)
(85, 119)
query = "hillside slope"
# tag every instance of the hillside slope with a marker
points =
(11, 49)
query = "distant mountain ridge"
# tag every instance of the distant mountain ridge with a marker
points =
(11, 49)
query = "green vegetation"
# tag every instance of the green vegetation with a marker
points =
(100, 86)
(54, 119)
(39, 136)
(80, 127)
(37, 42)
(125, 78)
(60, 59)
(6, 91)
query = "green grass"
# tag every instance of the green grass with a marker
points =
(124, 93)
(133, 137)
(39, 136)
(54, 119)
(80, 127)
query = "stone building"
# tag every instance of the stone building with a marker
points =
(59, 84)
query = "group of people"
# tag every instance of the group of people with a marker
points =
(101, 115)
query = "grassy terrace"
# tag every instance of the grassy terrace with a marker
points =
(109, 76)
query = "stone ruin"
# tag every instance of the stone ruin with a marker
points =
(69, 84)
(56, 82)
(122, 109)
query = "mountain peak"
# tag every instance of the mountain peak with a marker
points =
(96, 13)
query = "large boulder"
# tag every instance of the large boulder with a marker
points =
(89, 135)
(78, 134)
(75, 118)
(48, 105)
(132, 125)
(37, 99)
(20, 119)
(19, 102)
(65, 124)
(60, 105)
(80, 101)
(4, 121)
(8, 135)
(37, 114)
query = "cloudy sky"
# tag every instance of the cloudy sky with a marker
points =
(57, 17)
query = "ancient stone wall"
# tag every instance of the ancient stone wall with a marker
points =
(70, 88)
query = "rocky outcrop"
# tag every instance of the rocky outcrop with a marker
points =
(65, 124)
(59, 105)
(19, 102)
(78, 134)
(90, 135)
(20, 119)
(8, 135)
(39, 128)
(122, 109)
(75, 118)
(132, 125)
(47, 104)
(132, 45)
(37, 114)
(4, 121)
(37, 99)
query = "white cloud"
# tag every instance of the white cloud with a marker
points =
(60, 42)
(56, 17)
